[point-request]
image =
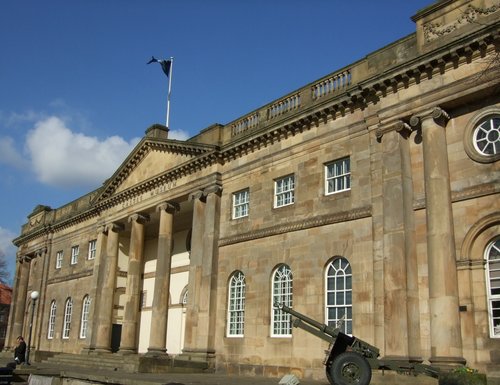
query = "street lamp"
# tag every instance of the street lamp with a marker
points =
(34, 297)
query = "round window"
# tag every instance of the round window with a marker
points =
(487, 137)
(482, 136)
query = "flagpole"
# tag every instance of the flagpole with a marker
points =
(169, 90)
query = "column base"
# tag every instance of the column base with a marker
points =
(447, 362)
(156, 352)
(126, 351)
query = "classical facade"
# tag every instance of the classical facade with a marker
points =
(370, 195)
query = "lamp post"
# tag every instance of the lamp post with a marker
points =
(34, 296)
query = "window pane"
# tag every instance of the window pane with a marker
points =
(338, 294)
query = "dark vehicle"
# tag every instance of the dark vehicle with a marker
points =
(350, 360)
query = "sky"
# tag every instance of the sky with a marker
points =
(76, 94)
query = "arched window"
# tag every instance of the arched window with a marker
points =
(338, 294)
(52, 320)
(492, 256)
(236, 305)
(85, 317)
(68, 311)
(282, 282)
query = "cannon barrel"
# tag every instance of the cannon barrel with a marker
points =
(331, 331)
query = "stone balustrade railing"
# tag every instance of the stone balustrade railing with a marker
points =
(329, 86)
(335, 83)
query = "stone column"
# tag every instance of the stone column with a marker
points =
(159, 317)
(128, 342)
(395, 315)
(43, 256)
(201, 312)
(10, 338)
(412, 296)
(21, 290)
(196, 256)
(446, 340)
(106, 266)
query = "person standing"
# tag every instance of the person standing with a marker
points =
(20, 351)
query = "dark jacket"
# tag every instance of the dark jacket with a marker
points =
(20, 352)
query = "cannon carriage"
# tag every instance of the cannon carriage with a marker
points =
(350, 360)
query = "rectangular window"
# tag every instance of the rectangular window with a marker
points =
(92, 248)
(75, 250)
(241, 201)
(338, 176)
(59, 259)
(144, 299)
(284, 191)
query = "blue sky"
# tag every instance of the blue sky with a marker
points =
(76, 94)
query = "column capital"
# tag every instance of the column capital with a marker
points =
(439, 115)
(139, 218)
(403, 128)
(196, 195)
(40, 252)
(113, 226)
(214, 189)
(169, 207)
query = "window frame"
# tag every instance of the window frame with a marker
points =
(92, 249)
(59, 259)
(281, 291)
(75, 251)
(491, 298)
(68, 314)
(52, 320)
(469, 138)
(346, 306)
(286, 192)
(479, 128)
(240, 209)
(344, 177)
(84, 321)
(236, 305)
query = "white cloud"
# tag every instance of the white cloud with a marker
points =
(178, 134)
(6, 246)
(8, 250)
(9, 155)
(63, 158)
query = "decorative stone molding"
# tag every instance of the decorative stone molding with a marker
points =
(344, 216)
(489, 221)
(70, 277)
(433, 31)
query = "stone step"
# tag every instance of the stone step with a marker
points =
(104, 362)
(127, 363)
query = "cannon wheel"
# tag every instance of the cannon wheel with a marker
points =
(349, 368)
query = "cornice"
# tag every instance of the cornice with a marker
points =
(199, 151)
(359, 95)
(70, 277)
(299, 225)
(107, 200)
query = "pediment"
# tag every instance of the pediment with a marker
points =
(152, 158)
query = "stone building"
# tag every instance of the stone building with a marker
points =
(370, 195)
(5, 300)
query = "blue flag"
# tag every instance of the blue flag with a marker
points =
(165, 64)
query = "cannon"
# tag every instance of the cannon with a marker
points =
(350, 360)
